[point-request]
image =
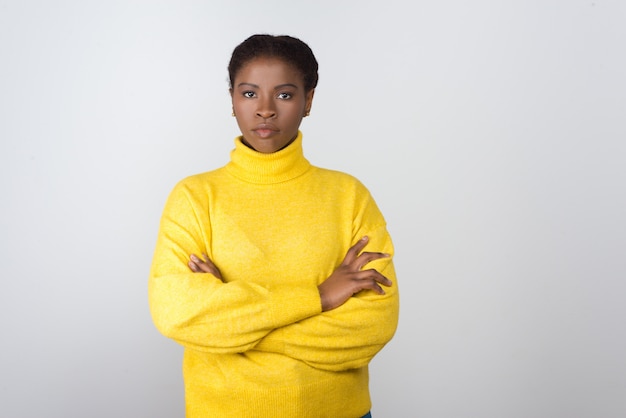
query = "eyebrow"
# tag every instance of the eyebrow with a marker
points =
(278, 87)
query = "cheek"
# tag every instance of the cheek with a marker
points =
(295, 112)
(240, 107)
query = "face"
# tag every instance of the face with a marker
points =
(269, 102)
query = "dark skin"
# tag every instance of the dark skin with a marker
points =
(347, 280)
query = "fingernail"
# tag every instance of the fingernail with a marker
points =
(194, 258)
(365, 238)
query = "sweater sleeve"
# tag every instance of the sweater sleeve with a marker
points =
(351, 335)
(198, 310)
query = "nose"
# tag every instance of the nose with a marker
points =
(266, 109)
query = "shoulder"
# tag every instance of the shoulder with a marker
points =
(338, 176)
(196, 187)
(340, 180)
(348, 188)
(200, 180)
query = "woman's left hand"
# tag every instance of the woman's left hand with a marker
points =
(204, 265)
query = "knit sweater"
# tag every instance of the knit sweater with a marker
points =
(257, 343)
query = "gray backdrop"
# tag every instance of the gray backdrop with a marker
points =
(491, 133)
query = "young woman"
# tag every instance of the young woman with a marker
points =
(260, 269)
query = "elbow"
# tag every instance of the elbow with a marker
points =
(164, 323)
(167, 319)
(347, 363)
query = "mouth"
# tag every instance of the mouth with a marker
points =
(265, 130)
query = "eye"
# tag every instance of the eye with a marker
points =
(284, 96)
(248, 94)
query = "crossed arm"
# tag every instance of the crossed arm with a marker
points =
(344, 335)
(347, 280)
(340, 324)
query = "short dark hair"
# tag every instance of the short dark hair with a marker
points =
(291, 50)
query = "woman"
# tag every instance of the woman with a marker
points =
(260, 270)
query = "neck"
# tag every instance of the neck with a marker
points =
(268, 168)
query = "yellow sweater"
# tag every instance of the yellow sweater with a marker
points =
(258, 344)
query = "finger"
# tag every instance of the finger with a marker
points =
(205, 266)
(369, 284)
(208, 267)
(193, 267)
(371, 274)
(376, 288)
(354, 251)
(367, 257)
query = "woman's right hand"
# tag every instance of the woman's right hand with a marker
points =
(348, 279)
(203, 265)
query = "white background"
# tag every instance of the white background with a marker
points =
(491, 133)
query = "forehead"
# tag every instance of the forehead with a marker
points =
(269, 70)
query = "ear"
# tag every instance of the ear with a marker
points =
(309, 101)
(232, 103)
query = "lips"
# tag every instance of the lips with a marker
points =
(265, 130)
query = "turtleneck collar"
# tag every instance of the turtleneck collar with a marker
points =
(259, 168)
